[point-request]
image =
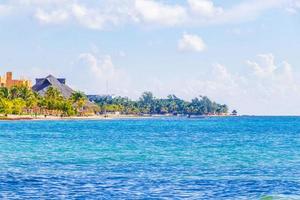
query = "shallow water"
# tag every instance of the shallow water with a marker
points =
(212, 158)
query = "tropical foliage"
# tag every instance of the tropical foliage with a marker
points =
(22, 100)
(148, 104)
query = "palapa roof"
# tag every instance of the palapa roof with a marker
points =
(42, 85)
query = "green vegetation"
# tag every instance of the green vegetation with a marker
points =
(21, 100)
(148, 104)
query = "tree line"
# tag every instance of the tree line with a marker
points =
(20, 100)
(148, 104)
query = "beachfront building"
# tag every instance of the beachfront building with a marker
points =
(43, 84)
(8, 81)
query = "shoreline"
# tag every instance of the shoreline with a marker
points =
(58, 118)
(92, 117)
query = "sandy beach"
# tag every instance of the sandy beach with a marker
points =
(50, 117)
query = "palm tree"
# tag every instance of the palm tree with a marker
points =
(52, 93)
(25, 92)
(4, 92)
(79, 99)
(53, 99)
(14, 92)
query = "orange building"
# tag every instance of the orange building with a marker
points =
(8, 81)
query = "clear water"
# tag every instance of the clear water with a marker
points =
(213, 158)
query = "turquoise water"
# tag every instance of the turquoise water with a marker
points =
(212, 158)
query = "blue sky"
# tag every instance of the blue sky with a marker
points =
(243, 53)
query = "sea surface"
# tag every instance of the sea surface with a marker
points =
(163, 158)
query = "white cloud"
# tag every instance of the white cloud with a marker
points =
(265, 90)
(55, 16)
(92, 18)
(100, 73)
(190, 42)
(204, 12)
(293, 7)
(204, 8)
(88, 17)
(103, 16)
(93, 14)
(107, 14)
(159, 13)
(265, 67)
(248, 10)
(221, 72)
(101, 67)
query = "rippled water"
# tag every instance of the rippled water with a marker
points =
(213, 158)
